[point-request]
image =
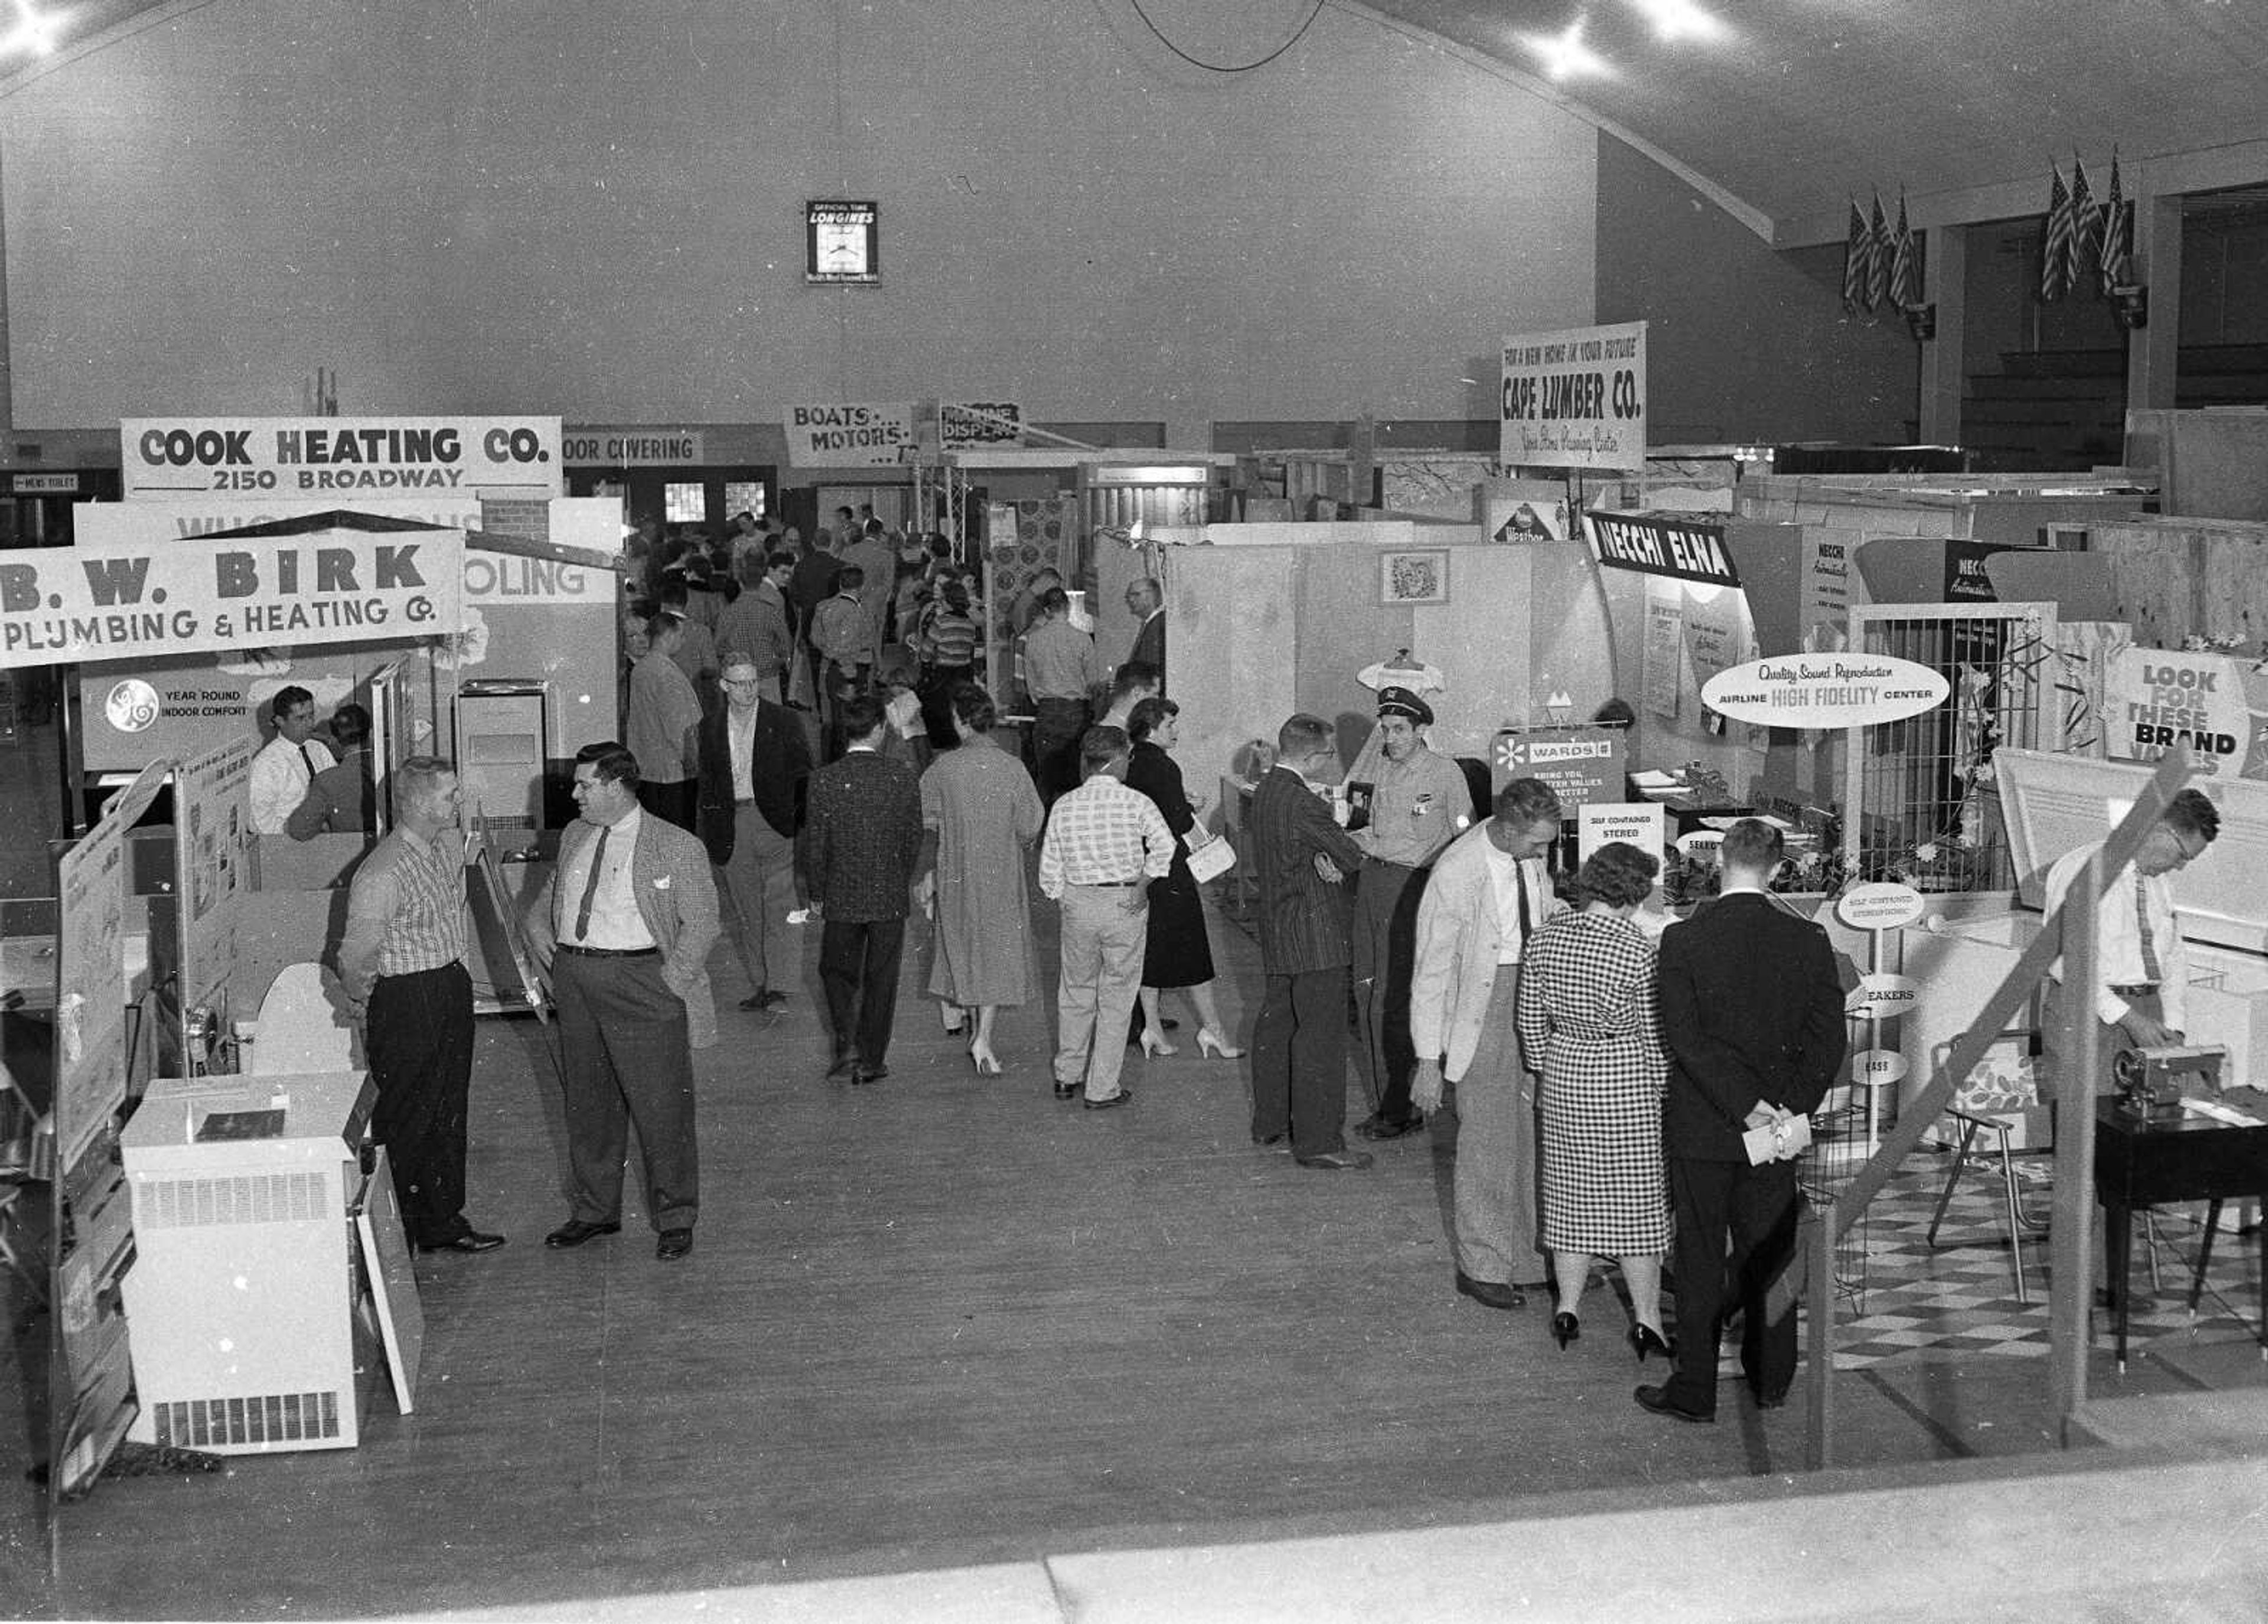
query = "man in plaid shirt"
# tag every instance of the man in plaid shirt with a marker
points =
(1105, 843)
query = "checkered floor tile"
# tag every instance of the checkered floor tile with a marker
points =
(1902, 1298)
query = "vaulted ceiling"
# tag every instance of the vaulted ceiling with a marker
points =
(1799, 104)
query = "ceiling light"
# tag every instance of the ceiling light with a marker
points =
(1679, 19)
(1565, 55)
(33, 32)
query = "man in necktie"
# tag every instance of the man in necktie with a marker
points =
(287, 764)
(1488, 893)
(2141, 996)
(624, 926)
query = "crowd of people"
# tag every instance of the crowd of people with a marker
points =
(1615, 1084)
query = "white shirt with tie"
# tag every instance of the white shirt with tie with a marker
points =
(615, 921)
(281, 774)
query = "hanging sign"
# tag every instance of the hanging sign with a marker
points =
(174, 457)
(1825, 690)
(1682, 549)
(1574, 399)
(144, 602)
(1879, 905)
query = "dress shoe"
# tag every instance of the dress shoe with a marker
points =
(1269, 1138)
(759, 1000)
(469, 1240)
(843, 1069)
(575, 1231)
(1657, 1400)
(860, 1076)
(1645, 1340)
(1067, 1090)
(672, 1244)
(1337, 1161)
(1379, 1128)
(1124, 1096)
(1773, 1401)
(1211, 1042)
(1490, 1293)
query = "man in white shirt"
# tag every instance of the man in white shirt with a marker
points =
(1488, 893)
(287, 764)
(2142, 994)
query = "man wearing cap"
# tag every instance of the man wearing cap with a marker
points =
(1418, 804)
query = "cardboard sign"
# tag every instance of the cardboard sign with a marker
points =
(1879, 905)
(133, 603)
(320, 457)
(1574, 399)
(1602, 823)
(2161, 697)
(1682, 549)
(1825, 690)
(1582, 763)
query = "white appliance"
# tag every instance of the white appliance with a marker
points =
(240, 1306)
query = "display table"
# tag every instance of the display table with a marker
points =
(241, 1304)
(2170, 1159)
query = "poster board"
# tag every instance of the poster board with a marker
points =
(212, 868)
(1643, 824)
(1574, 398)
(1582, 763)
(2215, 704)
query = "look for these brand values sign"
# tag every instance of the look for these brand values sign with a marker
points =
(1574, 399)
(2161, 697)
(192, 597)
(328, 456)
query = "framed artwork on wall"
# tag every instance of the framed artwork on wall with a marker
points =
(1414, 576)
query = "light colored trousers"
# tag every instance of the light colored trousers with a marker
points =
(1101, 975)
(1497, 1205)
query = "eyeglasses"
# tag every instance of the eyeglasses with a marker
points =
(2181, 845)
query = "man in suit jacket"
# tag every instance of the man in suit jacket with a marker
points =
(1489, 893)
(625, 923)
(1752, 1017)
(866, 837)
(754, 764)
(1145, 600)
(1299, 1046)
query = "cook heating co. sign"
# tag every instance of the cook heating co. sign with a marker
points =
(322, 456)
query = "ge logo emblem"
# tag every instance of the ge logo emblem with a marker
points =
(132, 706)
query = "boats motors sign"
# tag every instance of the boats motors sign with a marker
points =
(1825, 690)
(328, 456)
(192, 597)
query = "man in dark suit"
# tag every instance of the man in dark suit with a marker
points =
(1145, 601)
(866, 835)
(1298, 1048)
(754, 763)
(1752, 1017)
(624, 924)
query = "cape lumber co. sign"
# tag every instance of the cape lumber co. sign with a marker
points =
(1681, 549)
(204, 595)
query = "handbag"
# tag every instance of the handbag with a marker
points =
(1212, 859)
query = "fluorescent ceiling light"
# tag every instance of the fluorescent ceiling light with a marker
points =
(1679, 19)
(1565, 55)
(33, 32)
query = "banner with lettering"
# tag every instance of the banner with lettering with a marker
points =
(884, 434)
(92, 602)
(174, 457)
(1665, 544)
(1574, 399)
(1582, 763)
(2159, 698)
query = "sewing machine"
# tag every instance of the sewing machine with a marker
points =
(2152, 1081)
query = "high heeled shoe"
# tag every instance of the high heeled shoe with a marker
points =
(1644, 1339)
(1211, 1042)
(1154, 1044)
(1565, 1328)
(987, 1063)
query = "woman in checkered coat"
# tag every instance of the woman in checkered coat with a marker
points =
(1587, 1025)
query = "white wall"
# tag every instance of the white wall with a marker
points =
(594, 208)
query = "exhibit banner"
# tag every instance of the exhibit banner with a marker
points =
(616, 448)
(212, 865)
(1641, 823)
(2217, 706)
(1673, 545)
(1574, 399)
(1582, 763)
(172, 457)
(137, 602)
(964, 425)
(885, 434)
(90, 1077)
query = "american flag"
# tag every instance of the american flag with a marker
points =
(1906, 283)
(2086, 226)
(1878, 256)
(2117, 230)
(1857, 249)
(2054, 267)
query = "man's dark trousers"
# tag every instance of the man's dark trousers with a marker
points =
(1757, 1208)
(1298, 1061)
(419, 1040)
(859, 968)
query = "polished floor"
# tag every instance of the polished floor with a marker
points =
(944, 1322)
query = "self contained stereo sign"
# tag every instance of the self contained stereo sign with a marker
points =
(322, 458)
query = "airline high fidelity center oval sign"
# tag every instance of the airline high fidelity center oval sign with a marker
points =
(1826, 690)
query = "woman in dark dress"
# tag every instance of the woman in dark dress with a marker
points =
(1177, 952)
